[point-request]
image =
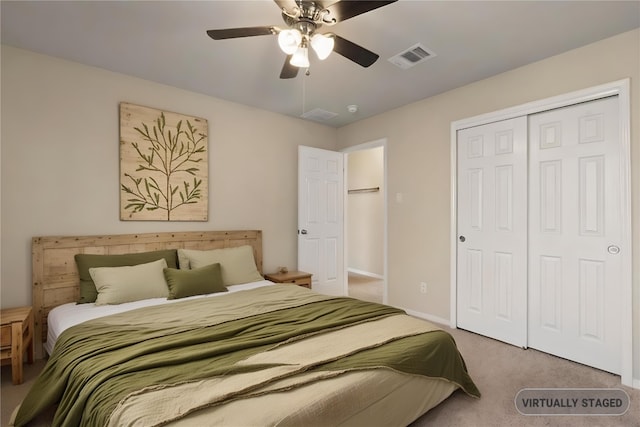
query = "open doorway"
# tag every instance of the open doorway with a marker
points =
(365, 221)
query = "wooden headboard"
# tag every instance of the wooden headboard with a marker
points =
(55, 276)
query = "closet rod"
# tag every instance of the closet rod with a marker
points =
(364, 190)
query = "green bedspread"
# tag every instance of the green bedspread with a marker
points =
(99, 363)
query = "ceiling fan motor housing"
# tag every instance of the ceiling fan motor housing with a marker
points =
(307, 17)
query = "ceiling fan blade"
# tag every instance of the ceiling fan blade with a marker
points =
(288, 71)
(343, 10)
(286, 4)
(354, 52)
(231, 33)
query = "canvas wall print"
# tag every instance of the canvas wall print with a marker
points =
(163, 165)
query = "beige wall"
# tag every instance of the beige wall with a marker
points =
(60, 161)
(365, 211)
(419, 162)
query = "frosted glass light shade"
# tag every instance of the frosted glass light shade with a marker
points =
(289, 40)
(322, 45)
(300, 58)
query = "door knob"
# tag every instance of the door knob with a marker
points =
(462, 238)
(303, 231)
(613, 249)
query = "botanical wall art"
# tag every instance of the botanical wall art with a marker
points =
(163, 165)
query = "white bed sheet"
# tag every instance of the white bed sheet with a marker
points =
(67, 315)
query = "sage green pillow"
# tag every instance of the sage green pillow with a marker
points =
(199, 281)
(236, 264)
(84, 262)
(116, 285)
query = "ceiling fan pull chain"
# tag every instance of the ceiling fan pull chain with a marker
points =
(304, 94)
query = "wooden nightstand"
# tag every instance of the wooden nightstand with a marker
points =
(16, 336)
(299, 278)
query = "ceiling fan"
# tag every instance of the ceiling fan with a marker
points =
(304, 18)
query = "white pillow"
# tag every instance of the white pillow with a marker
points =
(116, 285)
(237, 265)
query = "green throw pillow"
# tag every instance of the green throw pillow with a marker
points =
(84, 262)
(200, 281)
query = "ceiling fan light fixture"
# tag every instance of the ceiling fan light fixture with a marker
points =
(322, 45)
(289, 40)
(300, 58)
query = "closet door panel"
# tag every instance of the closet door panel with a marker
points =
(574, 217)
(492, 227)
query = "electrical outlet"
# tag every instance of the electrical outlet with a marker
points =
(423, 287)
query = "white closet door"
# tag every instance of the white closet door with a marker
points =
(492, 228)
(574, 265)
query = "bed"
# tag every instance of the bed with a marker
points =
(240, 352)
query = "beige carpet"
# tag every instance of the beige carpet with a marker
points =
(365, 288)
(499, 370)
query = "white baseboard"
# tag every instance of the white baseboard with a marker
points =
(365, 273)
(636, 383)
(429, 317)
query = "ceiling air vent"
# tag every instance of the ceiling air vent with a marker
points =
(412, 56)
(319, 115)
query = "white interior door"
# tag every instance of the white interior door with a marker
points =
(575, 232)
(492, 227)
(321, 218)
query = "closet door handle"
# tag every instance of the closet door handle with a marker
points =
(613, 249)
(462, 238)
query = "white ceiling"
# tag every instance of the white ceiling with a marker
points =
(166, 42)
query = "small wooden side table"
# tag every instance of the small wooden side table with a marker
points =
(299, 278)
(16, 337)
